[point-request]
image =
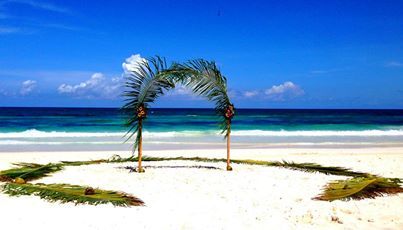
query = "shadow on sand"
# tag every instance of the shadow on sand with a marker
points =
(134, 169)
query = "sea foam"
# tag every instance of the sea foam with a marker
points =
(317, 133)
(33, 133)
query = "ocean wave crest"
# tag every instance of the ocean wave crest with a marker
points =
(317, 133)
(33, 133)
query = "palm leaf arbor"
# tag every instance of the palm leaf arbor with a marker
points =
(148, 79)
(144, 83)
(205, 79)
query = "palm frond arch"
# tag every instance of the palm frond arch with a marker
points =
(150, 78)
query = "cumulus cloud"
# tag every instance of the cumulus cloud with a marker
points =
(98, 86)
(132, 63)
(284, 91)
(27, 87)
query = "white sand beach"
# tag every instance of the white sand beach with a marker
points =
(250, 197)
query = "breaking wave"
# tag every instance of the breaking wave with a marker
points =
(33, 133)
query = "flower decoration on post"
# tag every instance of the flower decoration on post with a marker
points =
(141, 112)
(146, 80)
(229, 112)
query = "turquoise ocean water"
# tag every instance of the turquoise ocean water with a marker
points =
(103, 128)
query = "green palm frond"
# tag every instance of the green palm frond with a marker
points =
(80, 163)
(362, 185)
(304, 167)
(29, 171)
(33, 171)
(205, 79)
(65, 193)
(359, 188)
(143, 85)
(114, 159)
(312, 167)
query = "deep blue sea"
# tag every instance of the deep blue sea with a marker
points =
(164, 120)
(105, 126)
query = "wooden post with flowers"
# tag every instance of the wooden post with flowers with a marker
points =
(229, 114)
(141, 114)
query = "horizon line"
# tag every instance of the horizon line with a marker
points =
(79, 107)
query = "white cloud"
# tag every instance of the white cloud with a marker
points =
(320, 71)
(181, 92)
(61, 27)
(9, 30)
(394, 64)
(250, 93)
(41, 5)
(28, 25)
(233, 93)
(98, 86)
(3, 92)
(132, 63)
(286, 90)
(44, 74)
(27, 87)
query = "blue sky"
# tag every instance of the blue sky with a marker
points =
(275, 54)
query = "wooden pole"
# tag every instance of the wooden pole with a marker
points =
(229, 168)
(140, 147)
